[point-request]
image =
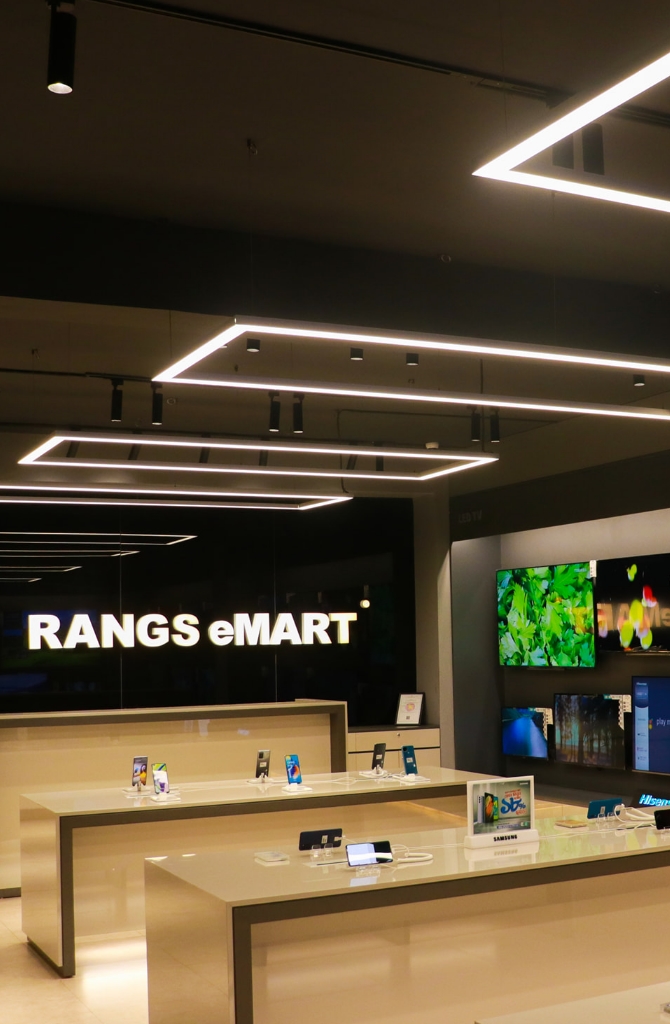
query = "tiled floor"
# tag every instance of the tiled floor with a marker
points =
(110, 986)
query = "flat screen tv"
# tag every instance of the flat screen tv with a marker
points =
(545, 616)
(633, 604)
(524, 732)
(651, 724)
(589, 729)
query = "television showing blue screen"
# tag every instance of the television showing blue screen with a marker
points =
(651, 724)
(524, 732)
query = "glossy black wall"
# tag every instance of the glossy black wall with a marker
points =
(234, 561)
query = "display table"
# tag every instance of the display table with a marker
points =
(472, 934)
(89, 749)
(82, 852)
(634, 1006)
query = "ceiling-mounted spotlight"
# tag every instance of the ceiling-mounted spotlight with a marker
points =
(263, 457)
(275, 412)
(432, 445)
(62, 35)
(379, 463)
(365, 603)
(297, 414)
(412, 358)
(156, 406)
(638, 380)
(475, 426)
(494, 427)
(117, 400)
(253, 344)
(356, 354)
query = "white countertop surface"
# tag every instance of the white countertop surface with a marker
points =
(633, 1006)
(239, 791)
(237, 877)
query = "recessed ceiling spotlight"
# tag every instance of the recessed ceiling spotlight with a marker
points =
(62, 37)
(432, 445)
(412, 359)
(638, 380)
(253, 344)
(356, 354)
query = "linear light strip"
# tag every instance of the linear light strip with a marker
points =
(9, 552)
(298, 447)
(503, 167)
(39, 568)
(307, 500)
(266, 470)
(179, 537)
(415, 340)
(434, 397)
(163, 504)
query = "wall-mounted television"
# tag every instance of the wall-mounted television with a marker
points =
(651, 724)
(589, 729)
(524, 732)
(633, 604)
(545, 616)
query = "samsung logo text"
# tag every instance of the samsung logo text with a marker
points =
(184, 630)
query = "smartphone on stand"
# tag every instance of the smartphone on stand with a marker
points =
(360, 855)
(293, 769)
(409, 760)
(160, 777)
(140, 765)
(378, 755)
(263, 764)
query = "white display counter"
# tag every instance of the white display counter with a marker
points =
(82, 852)
(469, 936)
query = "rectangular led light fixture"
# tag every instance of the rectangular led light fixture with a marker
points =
(578, 113)
(408, 340)
(637, 412)
(22, 494)
(428, 464)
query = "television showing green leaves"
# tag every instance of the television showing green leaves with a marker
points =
(545, 616)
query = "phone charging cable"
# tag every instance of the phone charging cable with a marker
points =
(411, 856)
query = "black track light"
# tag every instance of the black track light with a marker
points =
(475, 426)
(638, 380)
(263, 457)
(275, 412)
(156, 406)
(351, 462)
(379, 463)
(297, 414)
(494, 427)
(117, 401)
(412, 358)
(253, 344)
(134, 453)
(356, 354)
(62, 36)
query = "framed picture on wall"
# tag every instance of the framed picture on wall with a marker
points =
(410, 709)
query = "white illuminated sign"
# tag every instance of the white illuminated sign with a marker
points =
(156, 630)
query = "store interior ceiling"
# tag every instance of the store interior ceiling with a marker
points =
(344, 150)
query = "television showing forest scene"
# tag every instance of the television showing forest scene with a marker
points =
(545, 616)
(589, 730)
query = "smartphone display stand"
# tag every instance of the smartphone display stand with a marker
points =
(296, 787)
(375, 773)
(411, 778)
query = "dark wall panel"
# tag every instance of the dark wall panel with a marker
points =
(245, 562)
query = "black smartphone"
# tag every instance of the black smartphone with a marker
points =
(409, 760)
(320, 837)
(360, 855)
(263, 763)
(378, 755)
(662, 818)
